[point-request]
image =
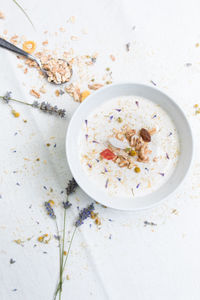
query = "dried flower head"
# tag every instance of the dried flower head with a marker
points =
(7, 97)
(72, 185)
(49, 210)
(45, 106)
(84, 214)
(66, 204)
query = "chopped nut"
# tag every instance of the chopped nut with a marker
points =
(34, 93)
(145, 135)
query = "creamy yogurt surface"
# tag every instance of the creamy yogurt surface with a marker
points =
(107, 121)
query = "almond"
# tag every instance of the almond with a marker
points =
(145, 135)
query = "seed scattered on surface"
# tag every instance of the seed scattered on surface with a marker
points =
(137, 170)
(107, 69)
(119, 120)
(48, 144)
(51, 202)
(15, 113)
(132, 153)
(37, 159)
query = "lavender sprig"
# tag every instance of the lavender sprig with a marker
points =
(44, 106)
(84, 214)
(72, 185)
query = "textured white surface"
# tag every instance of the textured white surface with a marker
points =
(138, 262)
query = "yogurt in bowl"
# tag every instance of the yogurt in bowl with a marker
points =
(140, 167)
(153, 150)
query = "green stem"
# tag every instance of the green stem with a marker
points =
(24, 12)
(59, 251)
(62, 255)
(70, 244)
(19, 101)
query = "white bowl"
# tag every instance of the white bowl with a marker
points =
(128, 89)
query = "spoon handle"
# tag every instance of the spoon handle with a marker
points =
(11, 47)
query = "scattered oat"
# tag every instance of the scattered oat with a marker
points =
(58, 70)
(112, 57)
(57, 93)
(25, 71)
(95, 86)
(45, 43)
(2, 16)
(35, 93)
(72, 19)
(62, 29)
(5, 31)
(197, 45)
(42, 90)
(74, 38)
(13, 39)
(74, 91)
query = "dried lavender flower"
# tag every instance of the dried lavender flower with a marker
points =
(72, 185)
(84, 214)
(49, 210)
(45, 106)
(66, 204)
(7, 97)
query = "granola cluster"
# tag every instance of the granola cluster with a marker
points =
(138, 143)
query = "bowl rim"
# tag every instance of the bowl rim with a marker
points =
(177, 107)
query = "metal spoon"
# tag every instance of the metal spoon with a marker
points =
(13, 48)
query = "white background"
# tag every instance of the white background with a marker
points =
(138, 262)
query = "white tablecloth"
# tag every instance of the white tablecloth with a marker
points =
(123, 259)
